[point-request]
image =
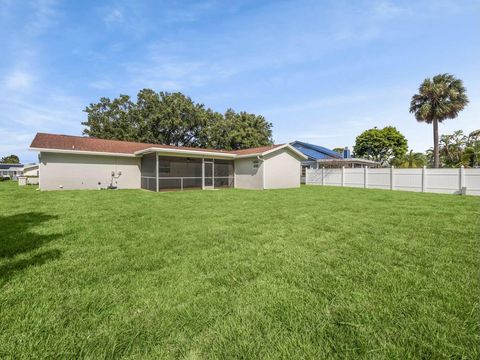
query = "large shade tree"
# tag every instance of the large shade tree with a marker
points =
(381, 145)
(439, 98)
(174, 119)
(10, 159)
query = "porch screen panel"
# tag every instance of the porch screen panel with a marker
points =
(147, 172)
(223, 173)
(175, 173)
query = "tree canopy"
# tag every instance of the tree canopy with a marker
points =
(438, 99)
(458, 149)
(10, 159)
(174, 119)
(410, 160)
(381, 145)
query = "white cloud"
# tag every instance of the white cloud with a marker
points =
(44, 16)
(103, 84)
(113, 15)
(17, 142)
(323, 102)
(387, 9)
(173, 73)
(25, 116)
(19, 80)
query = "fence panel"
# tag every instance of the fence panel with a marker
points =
(408, 179)
(446, 181)
(333, 177)
(379, 178)
(354, 177)
(472, 181)
(443, 181)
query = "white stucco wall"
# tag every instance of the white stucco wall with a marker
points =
(246, 177)
(31, 171)
(282, 170)
(79, 171)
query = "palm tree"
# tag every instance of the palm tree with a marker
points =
(472, 152)
(451, 148)
(411, 160)
(439, 98)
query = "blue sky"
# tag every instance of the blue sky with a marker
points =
(320, 71)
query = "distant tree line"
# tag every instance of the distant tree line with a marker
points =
(10, 159)
(174, 119)
(389, 147)
(457, 149)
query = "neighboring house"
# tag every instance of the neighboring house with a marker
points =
(319, 156)
(31, 170)
(11, 171)
(74, 162)
(314, 153)
(347, 162)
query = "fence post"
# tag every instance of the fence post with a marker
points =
(343, 175)
(392, 178)
(365, 177)
(462, 179)
(181, 183)
(323, 175)
(424, 178)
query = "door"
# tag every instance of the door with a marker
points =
(208, 173)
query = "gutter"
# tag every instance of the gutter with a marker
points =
(63, 151)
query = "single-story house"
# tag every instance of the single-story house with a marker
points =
(314, 153)
(11, 171)
(319, 156)
(75, 162)
(349, 162)
(31, 170)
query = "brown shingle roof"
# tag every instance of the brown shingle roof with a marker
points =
(257, 150)
(79, 143)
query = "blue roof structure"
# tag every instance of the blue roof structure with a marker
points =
(8, 166)
(315, 152)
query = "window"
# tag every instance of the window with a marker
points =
(256, 164)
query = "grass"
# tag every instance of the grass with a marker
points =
(316, 272)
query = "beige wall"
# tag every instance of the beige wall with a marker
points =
(78, 171)
(282, 170)
(246, 177)
(32, 171)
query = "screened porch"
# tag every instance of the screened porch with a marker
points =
(168, 173)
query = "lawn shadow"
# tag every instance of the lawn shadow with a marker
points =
(17, 238)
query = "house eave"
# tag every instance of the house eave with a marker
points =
(81, 152)
(185, 152)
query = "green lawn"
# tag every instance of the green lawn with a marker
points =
(316, 272)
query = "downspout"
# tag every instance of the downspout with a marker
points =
(260, 158)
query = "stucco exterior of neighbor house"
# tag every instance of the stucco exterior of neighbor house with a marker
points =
(31, 170)
(75, 162)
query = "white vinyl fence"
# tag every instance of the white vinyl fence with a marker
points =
(447, 181)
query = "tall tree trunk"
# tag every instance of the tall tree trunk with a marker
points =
(436, 155)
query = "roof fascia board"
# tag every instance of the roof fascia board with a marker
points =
(185, 152)
(287, 146)
(63, 151)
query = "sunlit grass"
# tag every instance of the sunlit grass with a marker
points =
(316, 272)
